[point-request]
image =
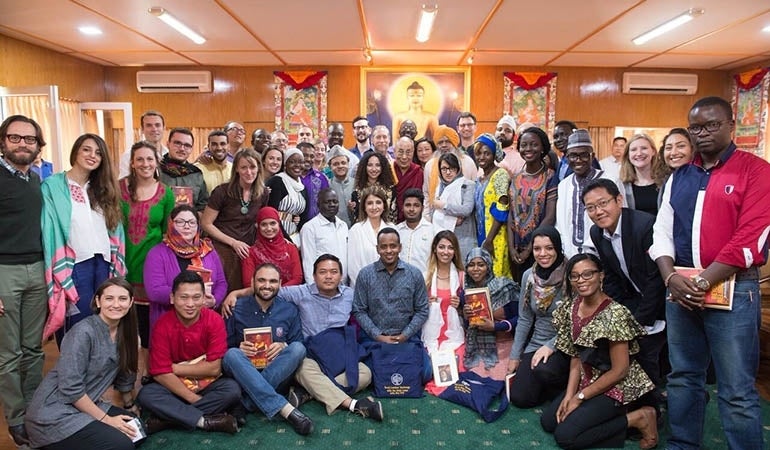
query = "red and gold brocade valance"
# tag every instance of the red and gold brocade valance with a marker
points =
(748, 80)
(530, 80)
(300, 79)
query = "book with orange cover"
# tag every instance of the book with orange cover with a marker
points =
(202, 271)
(478, 299)
(197, 384)
(183, 195)
(720, 296)
(262, 338)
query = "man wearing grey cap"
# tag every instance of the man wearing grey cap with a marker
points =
(341, 182)
(506, 134)
(571, 219)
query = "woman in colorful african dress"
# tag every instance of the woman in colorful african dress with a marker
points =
(492, 203)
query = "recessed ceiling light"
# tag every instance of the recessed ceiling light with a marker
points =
(90, 31)
(766, 29)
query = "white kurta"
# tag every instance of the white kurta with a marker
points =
(362, 247)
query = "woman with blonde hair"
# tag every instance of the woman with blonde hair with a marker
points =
(636, 174)
(83, 240)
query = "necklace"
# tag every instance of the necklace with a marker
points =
(442, 278)
(542, 166)
(245, 207)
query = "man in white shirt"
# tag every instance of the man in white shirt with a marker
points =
(611, 164)
(415, 231)
(324, 233)
(153, 128)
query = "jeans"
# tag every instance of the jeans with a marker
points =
(87, 276)
(731, 340)
(258, 387)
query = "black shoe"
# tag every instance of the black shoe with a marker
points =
(224, 423)
(298, 396)
(300, 422)
(240, 413)
(155, 424)
(368, 407)
(19, 435)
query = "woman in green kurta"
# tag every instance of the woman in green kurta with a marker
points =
(146, 204)
(492, 203)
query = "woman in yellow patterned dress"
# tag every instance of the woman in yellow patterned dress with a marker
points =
(492, 202)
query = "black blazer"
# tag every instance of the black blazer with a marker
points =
(636, 232)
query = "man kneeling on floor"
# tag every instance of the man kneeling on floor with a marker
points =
(267, 358)
(186, 349)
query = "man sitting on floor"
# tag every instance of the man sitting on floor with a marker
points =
(282, 356)
(180, 394)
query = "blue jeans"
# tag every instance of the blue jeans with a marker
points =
(258, 387)
(87, 276)
(731, 340)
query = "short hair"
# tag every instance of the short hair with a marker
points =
(266, 265)
(152, 112)
(187, 277)
(357, 118)
(571, 264)
(449, 158)
(217, 133)
(715, 101)
(415, 193)
(230, 124)
(600, 183)
(379, 128)
(466, 114)
(326, 257)
(19, 118)
(181, 130)
(181, 208)
(568, 123)
(544, 141)
(388, 230)
(619, 138)
(305, 145)
(415, 86)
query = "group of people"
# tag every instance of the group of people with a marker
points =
(337, 251)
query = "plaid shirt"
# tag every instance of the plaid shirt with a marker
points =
(14, 171)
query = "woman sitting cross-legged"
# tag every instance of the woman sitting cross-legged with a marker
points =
(600, 336)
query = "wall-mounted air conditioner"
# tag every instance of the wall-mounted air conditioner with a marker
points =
(173, 81)
(660, 83)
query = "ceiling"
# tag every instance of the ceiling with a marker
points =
(336, 32)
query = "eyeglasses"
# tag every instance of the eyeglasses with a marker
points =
(711, 127)
(15, 138)
(586, 156)
(586, 275)
(601, 204)
(182, 145)
(182, 223)
(465, 125)
(447, 169)
(237, 130)
(360, 127)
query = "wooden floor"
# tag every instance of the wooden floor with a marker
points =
(52, 352)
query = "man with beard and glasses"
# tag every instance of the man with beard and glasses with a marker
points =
(181, 176)
(362, 131)
(506, 134)
(217, 171)
(284, 354)
(466, 128)
(23, 298)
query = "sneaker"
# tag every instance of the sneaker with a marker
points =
(301, 423)
(368, 407)
(298, 396)
(18, 435)
(220, 422)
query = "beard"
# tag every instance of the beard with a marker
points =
(19, 158)
(505, 143)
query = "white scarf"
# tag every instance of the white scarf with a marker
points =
(431, 330)
(451, 192)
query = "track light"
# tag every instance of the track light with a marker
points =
(174, 23)
(677, 21)
(367, 55)
(427, 17)
(469, 59)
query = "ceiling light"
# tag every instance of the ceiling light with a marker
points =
(90, 31)
(469, 60)
(766, 29)
(427, 16)
(174, 23)
(677, 21)
(368, 55)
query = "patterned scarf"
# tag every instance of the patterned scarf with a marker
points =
(578, 209)
(176, 168)
(194, 251)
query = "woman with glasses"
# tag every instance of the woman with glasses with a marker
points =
(182, 248)
(492, 202)
(452, 209)
(82, 227)
(676, 151)
(636, 174)
(146, 204)
(533, 197)
(230, 213)
(541, 370)
(599, 335)
(488, 345)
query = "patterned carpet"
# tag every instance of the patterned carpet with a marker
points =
(428, 422)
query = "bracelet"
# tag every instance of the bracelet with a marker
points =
(105, 415)
(668, 278)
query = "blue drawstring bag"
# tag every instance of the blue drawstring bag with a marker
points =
(397, 369)
(479, 394)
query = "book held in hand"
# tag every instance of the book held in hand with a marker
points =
(720, 296)
(197, 384)
(478, 300)
(262, 338)
(508, 383)
(444, 368)
(183, 195)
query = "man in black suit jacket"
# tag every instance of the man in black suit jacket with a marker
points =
(622, 237)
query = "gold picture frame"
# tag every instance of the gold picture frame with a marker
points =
(390, 95)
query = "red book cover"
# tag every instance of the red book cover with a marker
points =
(196, 384)
(262, 338)
(479, 303)
(183, 195)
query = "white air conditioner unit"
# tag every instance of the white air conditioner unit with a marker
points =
(660, 83)
(173, 81)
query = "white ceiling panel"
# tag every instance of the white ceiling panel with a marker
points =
(688, 61)
(512, 58)
(404, 58)
(142, 58)
(341, 58)
(234, 58)
(600, 59)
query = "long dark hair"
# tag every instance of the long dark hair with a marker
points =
(131, 178)
(127, 338)
(103, 191)
(385, 178)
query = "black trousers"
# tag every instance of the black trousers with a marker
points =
(97, 435)
(531, 387)
(599, 422)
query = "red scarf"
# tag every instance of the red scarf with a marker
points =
(194, 251)
(275, 250)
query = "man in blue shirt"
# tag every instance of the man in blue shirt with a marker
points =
(284, 354)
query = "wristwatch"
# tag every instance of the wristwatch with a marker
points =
(702, 283)
(581, 396)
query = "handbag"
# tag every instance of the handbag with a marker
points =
(479, 394)
(397, 369)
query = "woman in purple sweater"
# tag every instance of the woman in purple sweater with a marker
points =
(182, 248)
